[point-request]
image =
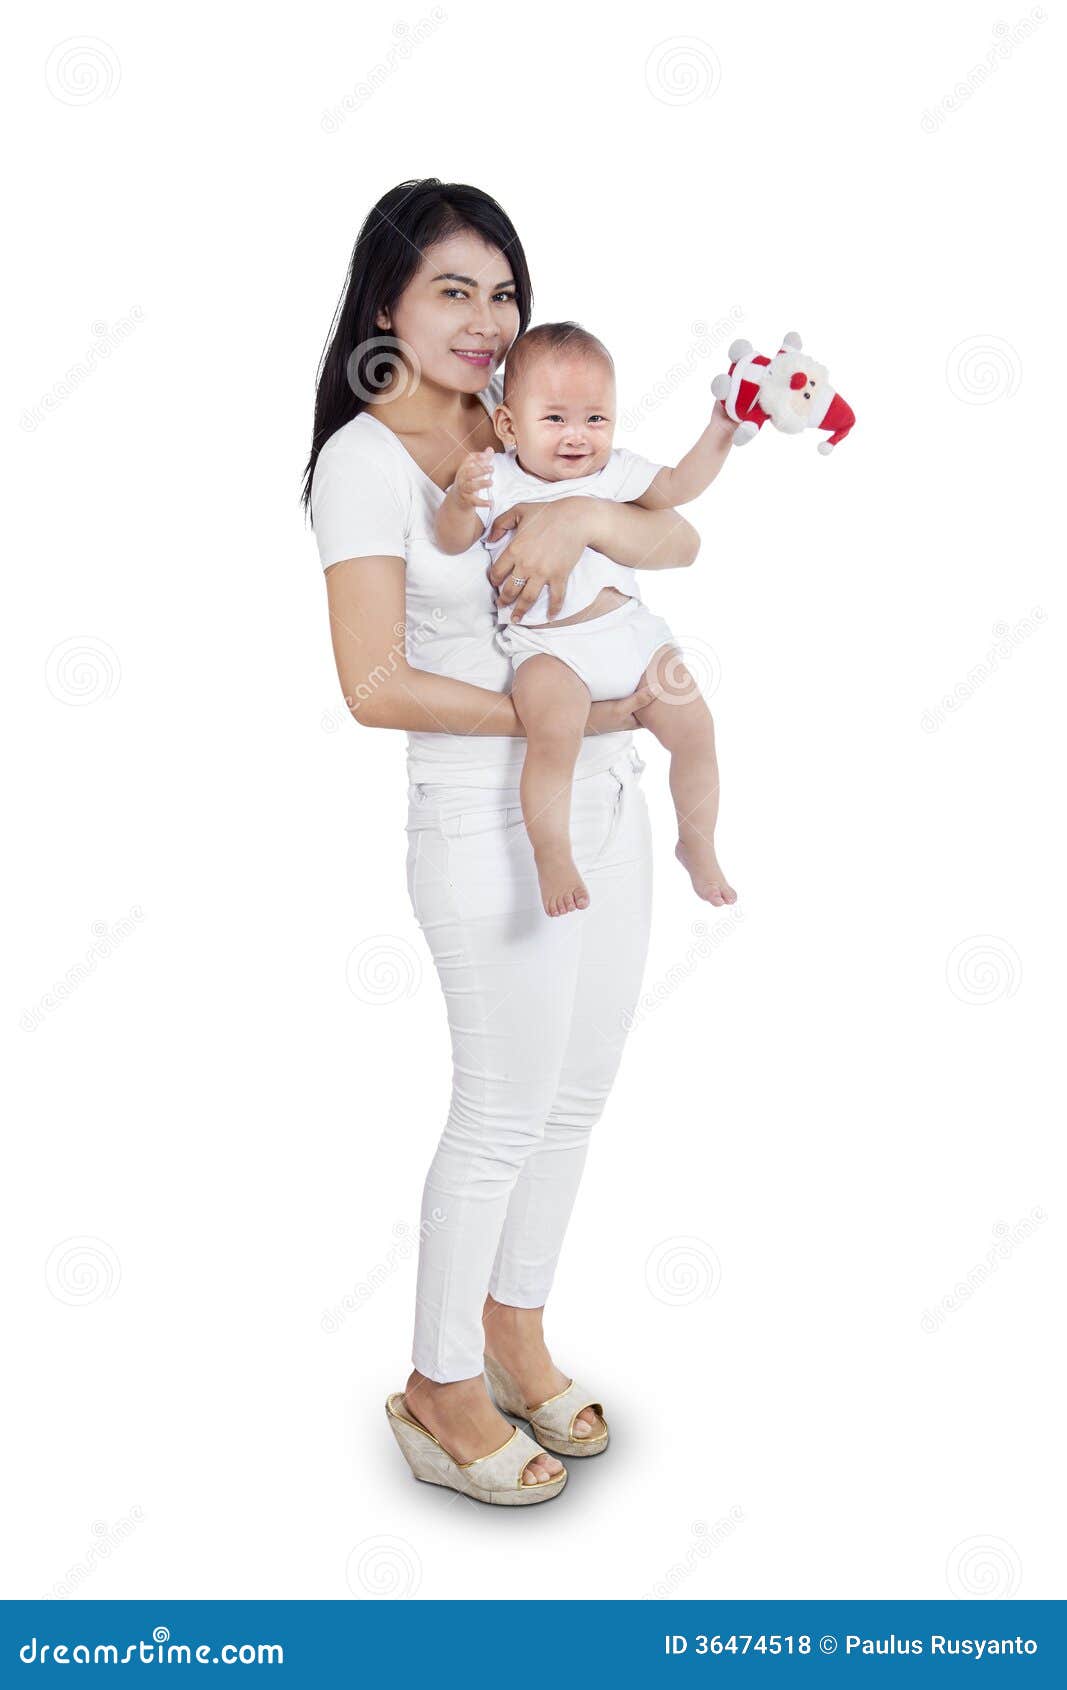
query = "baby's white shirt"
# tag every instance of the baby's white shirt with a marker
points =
(625, 476)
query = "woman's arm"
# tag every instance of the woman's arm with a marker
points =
(382, 690)
(643, 539)
(550, 538)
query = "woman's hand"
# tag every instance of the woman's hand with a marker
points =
(616, 715)
(548, 541)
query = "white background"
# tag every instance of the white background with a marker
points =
(825, 1124)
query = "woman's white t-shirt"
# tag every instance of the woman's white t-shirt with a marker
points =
(369, 498)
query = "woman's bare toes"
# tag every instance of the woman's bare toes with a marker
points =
(540, 1468)
(588, 1424)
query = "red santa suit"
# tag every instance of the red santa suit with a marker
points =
(758, 389)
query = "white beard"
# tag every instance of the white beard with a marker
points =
(777, 399)
(788, 421)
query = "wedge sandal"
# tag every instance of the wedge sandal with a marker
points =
(495, 1478)
(552, 1421)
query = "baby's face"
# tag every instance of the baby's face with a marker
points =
(560, 417)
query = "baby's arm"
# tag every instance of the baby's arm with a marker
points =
(698, 468)
(458, 523)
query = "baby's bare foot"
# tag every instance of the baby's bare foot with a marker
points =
(562, 887)
(702, 866)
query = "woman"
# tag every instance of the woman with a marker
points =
(437, 290)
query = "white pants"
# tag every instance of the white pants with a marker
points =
(537, 1009)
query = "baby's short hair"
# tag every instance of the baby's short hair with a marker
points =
(548, 338)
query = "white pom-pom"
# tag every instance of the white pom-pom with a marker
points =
(826, 447)
(721, 387)
(739, 349)
(792, 339)
(745, 432)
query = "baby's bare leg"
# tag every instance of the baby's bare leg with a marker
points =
(553, 706)
(682, 722)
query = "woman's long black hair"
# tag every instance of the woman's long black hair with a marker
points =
(388, 251)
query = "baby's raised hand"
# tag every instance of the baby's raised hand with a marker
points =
(475, 474)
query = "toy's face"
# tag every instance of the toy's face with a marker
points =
(801, 387)
(797, 382)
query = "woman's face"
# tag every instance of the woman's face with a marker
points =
(458, 313)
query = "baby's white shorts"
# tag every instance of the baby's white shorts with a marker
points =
(609, 653)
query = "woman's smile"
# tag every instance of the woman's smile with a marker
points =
(480, 358)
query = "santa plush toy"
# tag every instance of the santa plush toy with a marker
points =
(789, 390)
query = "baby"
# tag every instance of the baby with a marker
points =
(556, 422)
